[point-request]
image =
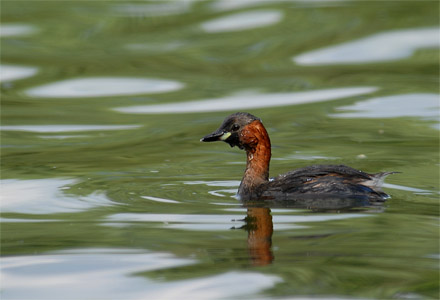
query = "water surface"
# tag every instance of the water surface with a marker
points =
(107, 192)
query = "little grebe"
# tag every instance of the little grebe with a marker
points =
(247, 132)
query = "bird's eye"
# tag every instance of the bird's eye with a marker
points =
(235, 127)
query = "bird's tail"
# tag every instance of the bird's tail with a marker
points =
(377, 179)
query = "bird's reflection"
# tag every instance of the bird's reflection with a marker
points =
(260, 228)
(258, 222)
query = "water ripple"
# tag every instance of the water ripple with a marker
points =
(248, 101)
(385, 46)
(243, 21)
(103, 86)
(10, 30)
(45, 196)
(59, 274)
(216, 222)
(406, 105)
(10, 73)
(66, 128)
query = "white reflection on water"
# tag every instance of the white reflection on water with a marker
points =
(7, 30)
(103, 86)
(390, 45)
(230, 285)
(156, 199)
(45, 196)
(66, 128)
(409, 189)
(61, 137)
(408, 105)
(223, 5)
(83, 273)
(10, 73)
(217, 222)
(109, 274)
(248, 101)
(243, 21)
(15, 220)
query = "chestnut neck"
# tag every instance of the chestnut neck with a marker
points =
(256, 142)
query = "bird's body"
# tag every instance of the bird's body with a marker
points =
(326, 180)
(248, 133)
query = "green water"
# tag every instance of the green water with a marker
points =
(116, 181)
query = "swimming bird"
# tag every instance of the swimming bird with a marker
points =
(247, 132)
